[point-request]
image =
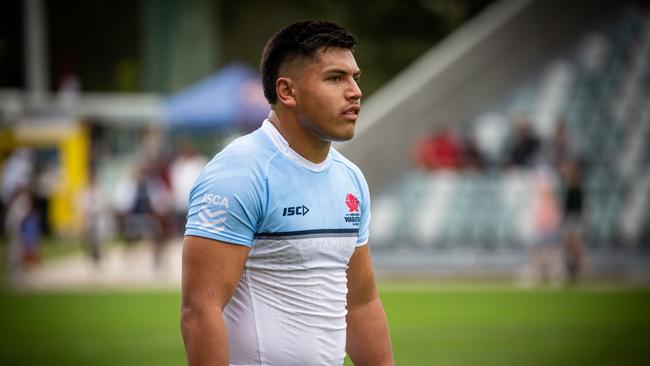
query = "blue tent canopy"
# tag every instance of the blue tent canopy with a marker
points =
(231, 98)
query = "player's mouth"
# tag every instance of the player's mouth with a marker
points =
(352, 112)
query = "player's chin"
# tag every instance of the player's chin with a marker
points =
(344, 132)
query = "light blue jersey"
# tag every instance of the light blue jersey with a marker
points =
(302, 221)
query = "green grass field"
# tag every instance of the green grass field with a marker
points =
(430, 325)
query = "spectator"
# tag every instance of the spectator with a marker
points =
(573, 204)
(30, 232)
(545, 261)
(471, 155)
(438, 151)
(23, 229)
(184, 170)
(97, 226)
(142, 202)
(525, 146)
(22, 223)
(562, 147)
(18, 172)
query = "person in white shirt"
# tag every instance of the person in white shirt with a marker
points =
(276, 261)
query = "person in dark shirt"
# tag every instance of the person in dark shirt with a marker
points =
(572, 219)
(525, 147)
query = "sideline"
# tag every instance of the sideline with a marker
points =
(121, 267)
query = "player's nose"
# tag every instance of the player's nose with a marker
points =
(353, 92)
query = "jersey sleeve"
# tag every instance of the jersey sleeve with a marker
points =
(225, 207)
(365, 214)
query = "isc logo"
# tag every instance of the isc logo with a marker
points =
(298, 210)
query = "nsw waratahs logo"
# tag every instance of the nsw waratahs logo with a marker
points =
(353, 217)
(353, 202)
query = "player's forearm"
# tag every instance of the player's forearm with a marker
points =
(205, 336)
(368, 339)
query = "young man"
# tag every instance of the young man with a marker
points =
(276, 266)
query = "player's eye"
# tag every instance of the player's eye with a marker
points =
(335, 78)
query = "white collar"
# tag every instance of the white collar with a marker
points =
(281, 143)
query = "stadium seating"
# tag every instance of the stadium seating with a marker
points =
(600, 86)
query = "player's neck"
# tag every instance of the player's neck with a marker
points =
(300, 140)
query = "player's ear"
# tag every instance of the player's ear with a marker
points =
(284, 87)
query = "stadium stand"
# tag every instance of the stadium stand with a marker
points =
(590, 71)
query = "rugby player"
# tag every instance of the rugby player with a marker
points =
(276, 265)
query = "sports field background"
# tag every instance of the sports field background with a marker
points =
(431, 324)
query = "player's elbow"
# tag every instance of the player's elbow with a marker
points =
(189, 317)
(363, 302)
(192, 315)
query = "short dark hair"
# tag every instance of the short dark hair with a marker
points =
(299, 39)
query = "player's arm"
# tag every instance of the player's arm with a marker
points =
(211, 271)
(368, 339)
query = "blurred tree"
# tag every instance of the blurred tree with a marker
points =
(90, 39)
(126, 75)
(11, 44)
(164, 45)
(180, 42)
(391, 34)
